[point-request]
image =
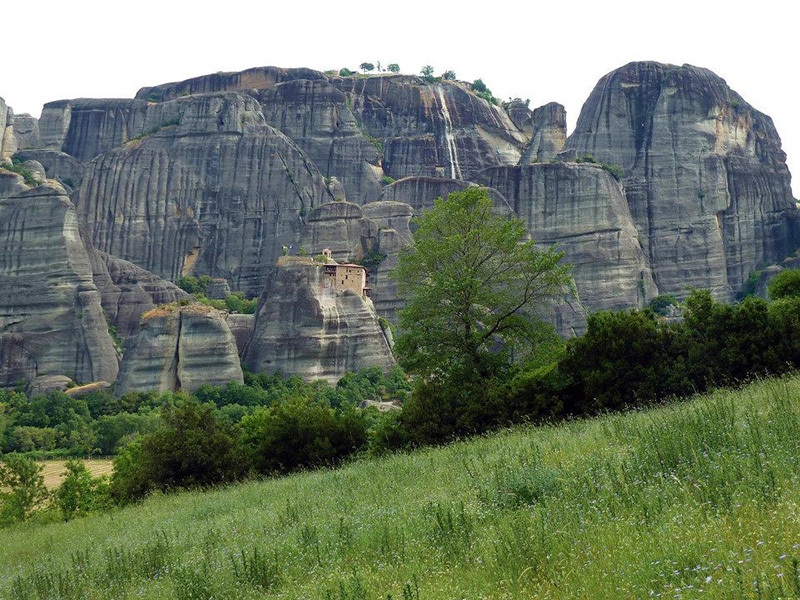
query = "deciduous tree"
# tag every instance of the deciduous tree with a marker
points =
(475, 287)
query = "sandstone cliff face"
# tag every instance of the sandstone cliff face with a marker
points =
(392, 220)
(337, 226)
(305, 327)
(257, 78)
(49, 299)
(432, 129)
(548, 134)
(62, 167)
(11, 184)
(421, 192)
(583, 210)
(8, 143)
(704, 174)
(128, 291)
(219, 193)
(180, 348)
(317, 117)
(26, 131)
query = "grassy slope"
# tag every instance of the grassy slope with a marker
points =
(696, 499)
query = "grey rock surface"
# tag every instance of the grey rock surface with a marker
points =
(336, 226)
(17, 367)
(218, 289)
(48, 383)
(317, 117)
(420, 193)
(242, 327)
(8, 143)
(26, 131)
(3, 124)
(392, 220)
(549, 134)
(49, 297)
(128, 291)
(431, 129)
(218, 194)
(58, 165)
(305, 327)
(704, 174)
(180, 348)
(582, 209)
(257, 78)
(11, 184)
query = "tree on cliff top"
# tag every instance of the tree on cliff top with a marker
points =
(472, 284)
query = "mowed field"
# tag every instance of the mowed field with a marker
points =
(53, 470)
(698, 499)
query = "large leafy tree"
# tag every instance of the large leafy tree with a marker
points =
(475, 287)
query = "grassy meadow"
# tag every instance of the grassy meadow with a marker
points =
(694, 499)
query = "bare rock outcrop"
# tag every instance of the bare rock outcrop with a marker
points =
(308, 325)
(318, 118)
(26, 131)
(257, 78)
(11, 184)
(62, 167)
(432, 129)
(218, 193)
(242, 327)
(548, 134)
(128, 291)
(392, 220)
(49, 298)
(704, 173)
(17, 366)
(180, 348)
(8, 143)
(583, 210)
(421, 192)
(337, 226)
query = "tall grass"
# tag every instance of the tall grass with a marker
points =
(696, 499)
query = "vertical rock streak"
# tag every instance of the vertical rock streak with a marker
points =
(450, 141)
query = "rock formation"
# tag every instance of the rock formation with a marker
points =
(307, 326)
(129, 291)
(704, 174)
(337, 226)
(670, 180)
(218, 193)
(66, 169)
(241, 327)
(317, 117)
(8, 143)
(11, 184)
(50, 305)
(582, 209)
(392, 221)
(26, 131)
(548, 133)
(420, 193)
(432, 129)
(180, 348)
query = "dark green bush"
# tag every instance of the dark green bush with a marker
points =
(785, 284)
(301, 432)
(660, 303)
(192, 448)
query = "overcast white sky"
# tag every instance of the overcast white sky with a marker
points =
(545, 51)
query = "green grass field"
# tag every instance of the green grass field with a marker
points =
(697, 499)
